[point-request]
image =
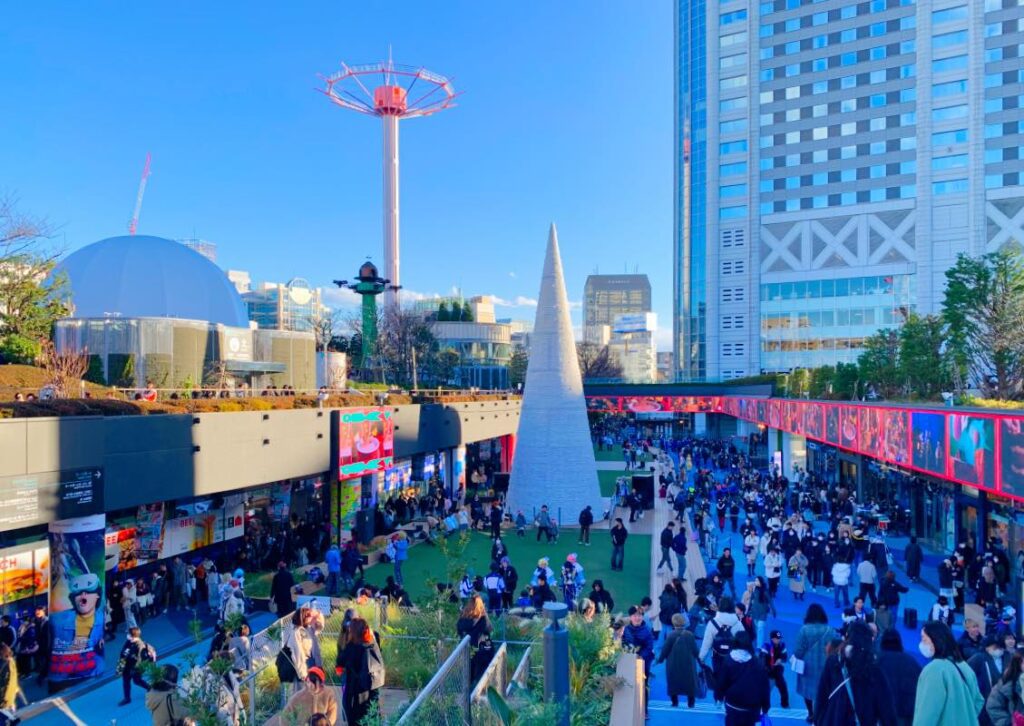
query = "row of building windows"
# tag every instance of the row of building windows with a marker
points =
(1004, 52)
(770, 6)
(850, 128)
(817, 42)
(843, 287)
(835, 153)
(1006, 27)
(846, 105)
(852, 58)
(831, 318)
(998, 181)
(821, 178)
(846, 12)
(811, 344)
(1004, 78)
(1003, 103)
(823, 201)
(871, 78)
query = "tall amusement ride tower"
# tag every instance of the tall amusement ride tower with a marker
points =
(404, 92)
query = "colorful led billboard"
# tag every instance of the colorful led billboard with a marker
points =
(1011, 456)
(928, 432)
(366, 441)
(972, 445)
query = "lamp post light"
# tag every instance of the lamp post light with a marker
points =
(556, 660)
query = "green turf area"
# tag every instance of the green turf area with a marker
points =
(614, 455)
(627, 587)
(607, 479)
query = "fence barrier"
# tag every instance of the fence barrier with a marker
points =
(445, 699)
(496, 676)
(521, 677)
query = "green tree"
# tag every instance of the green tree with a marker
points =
(923, 370)
(984, 314)
(443, 315)
(879, 363)
(517, 367)
(18, 349)
(467, 312)
(820, 385)
(30, 295)
(845, 381)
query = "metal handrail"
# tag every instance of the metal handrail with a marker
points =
(521, 675)
(434, 682)
(493, 675)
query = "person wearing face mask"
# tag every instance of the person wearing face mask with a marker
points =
(947, 692)
(853, 688)
(1006, 700)
(988, 666)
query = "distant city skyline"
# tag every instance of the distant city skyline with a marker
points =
(246, 155)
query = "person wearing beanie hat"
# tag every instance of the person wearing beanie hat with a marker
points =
(313, 699)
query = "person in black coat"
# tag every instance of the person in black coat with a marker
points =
(889, 594)
(742, 683)
(913, 556)
(586, 521)
(601, 597)
(902, 671)
(281, 590)
(970, 641)
(988, 665)
(872, 696)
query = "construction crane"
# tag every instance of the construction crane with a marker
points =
(134, 224)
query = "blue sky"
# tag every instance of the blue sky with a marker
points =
(566, 116)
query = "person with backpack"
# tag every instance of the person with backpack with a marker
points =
(134, 652)
(668, 605)
(362, 665)
(719, 631)
(742, 684)
(679, 548)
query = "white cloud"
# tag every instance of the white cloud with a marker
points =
(512, 275)
(575, 304)
(342, 298)
(519, 301)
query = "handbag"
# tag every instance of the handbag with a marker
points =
(796, 665)
(285, 667)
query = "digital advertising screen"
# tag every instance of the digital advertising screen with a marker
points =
(814, 421)
(928, 432)
(972, 449)
(794, 421)
(895, 427)
(848, 427)
(1011, 455)
(775, 414)
(762, 412)
(832, 423)
(366, 441)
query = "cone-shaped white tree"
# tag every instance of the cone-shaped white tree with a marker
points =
(554, 457)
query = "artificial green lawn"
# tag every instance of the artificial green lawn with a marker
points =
(627, 587)
(607, 478)
(614, 455)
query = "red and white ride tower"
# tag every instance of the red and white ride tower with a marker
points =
(405, 92)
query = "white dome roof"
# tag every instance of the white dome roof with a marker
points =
(150, 277)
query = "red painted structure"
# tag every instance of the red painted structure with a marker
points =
(976, 447)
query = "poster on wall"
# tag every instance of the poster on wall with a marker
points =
(895, 427)
(460, 467)
(77, 597)
(848, 427)
(121, 548)
(24, 573)
(871, 434)
(349, 493)
(366, 441)
(149, 528)
(1012, 456)
(972, 449)
(814, 424)
(832, 424)
(928, 431)
(398, 476)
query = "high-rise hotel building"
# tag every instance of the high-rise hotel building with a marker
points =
(832, 159)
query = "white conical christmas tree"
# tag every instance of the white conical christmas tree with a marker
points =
(554, 457)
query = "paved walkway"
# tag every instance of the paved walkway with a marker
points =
(98, 705)
(790, 614)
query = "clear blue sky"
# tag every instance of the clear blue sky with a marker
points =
(566, 116)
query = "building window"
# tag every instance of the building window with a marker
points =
(953, 161)
(945, 65)
(945, 40)
(732, 104)
(727, 84)
(737, 212)
(733, 17)
(950, 88)
(948, 113)
(732, 147)
(739, 167)
(948, 15)
(732, 190)
(949, 186)
(945, 138)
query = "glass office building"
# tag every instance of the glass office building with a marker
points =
(833, 158)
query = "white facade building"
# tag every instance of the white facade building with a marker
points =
(833, 159)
